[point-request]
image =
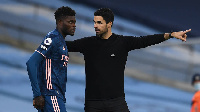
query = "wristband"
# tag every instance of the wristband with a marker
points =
(170, 36)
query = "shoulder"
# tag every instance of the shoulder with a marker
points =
(197, 95)
(51, 38)
(87, 38)
(117, 35)
(122, 37)
(53, 32)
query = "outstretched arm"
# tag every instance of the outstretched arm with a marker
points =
(72, 46)
(78, 45)
(132, 43)
(179, 35)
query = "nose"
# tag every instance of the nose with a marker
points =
(95, 25)
(74, 25)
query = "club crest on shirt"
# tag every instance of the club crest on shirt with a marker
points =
(47, 41)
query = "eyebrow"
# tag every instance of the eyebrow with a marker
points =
(72, 20)
(97, 21)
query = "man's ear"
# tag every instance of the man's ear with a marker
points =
(59, 22)
(110, 24)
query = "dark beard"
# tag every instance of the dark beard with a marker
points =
(99, 35)
(64, 31)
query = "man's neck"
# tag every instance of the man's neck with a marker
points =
(107, 35)
(59, 30)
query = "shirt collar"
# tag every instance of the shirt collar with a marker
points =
(110, 38)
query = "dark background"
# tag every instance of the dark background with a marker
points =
(164, 16)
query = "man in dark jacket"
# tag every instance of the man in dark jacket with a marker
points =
(105, 57)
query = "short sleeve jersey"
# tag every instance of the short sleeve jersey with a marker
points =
(52, 74)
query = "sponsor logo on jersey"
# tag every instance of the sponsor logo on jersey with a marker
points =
(66, 59)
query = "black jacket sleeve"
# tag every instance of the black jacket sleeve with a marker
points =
(78, 45)
(132, 43)
(72, 46)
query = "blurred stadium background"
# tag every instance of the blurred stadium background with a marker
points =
(157, 78)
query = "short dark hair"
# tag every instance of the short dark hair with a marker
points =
(64, 11)
(106, 13)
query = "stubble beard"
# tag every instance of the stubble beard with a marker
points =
(98, 35)
(102, 34)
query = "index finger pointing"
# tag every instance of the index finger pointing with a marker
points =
(187, 30)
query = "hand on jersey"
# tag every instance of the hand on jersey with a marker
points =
(180, 35)
(38, 102)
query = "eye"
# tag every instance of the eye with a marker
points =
(99, 22)
(72, 22)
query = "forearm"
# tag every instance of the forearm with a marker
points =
(32, 68)
(143, 41)
(149, 40)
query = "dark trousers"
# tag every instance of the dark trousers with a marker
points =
(111, 105)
